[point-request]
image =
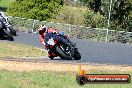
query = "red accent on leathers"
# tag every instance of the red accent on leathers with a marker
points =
(42, 39)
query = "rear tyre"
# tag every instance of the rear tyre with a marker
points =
(62, 54)
(9, 36)
(12, 31)
(77, 55)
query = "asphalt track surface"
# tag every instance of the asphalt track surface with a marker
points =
(92, 52)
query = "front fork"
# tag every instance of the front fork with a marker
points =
(73, 45)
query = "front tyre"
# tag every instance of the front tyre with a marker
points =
(65, 51)
(77, 55)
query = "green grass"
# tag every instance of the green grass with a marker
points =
(10, 49)
(5, 3)
(49, 79)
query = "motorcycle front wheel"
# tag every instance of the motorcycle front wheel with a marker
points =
(77, 55)
(65, 51)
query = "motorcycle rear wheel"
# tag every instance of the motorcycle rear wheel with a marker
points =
(9, 36)
(12, 31)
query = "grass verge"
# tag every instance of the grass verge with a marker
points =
(50, 79)
(14, 50)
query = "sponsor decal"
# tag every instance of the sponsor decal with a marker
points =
(83, 78)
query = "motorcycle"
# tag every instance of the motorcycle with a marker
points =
(62, 50)
(10, 27)
(5, 32)
(5, 20)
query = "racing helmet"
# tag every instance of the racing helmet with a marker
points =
(42, 29)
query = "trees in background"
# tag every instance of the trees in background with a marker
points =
(35, 9)
(71, 2)
(95, 5)
(121, 14)
(71, 15)
(95, 20)
(96, 16)
(63, 11)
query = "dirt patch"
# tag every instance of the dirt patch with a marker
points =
(30, 66)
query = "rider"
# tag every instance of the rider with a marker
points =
(3, 18)
(48, 33)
